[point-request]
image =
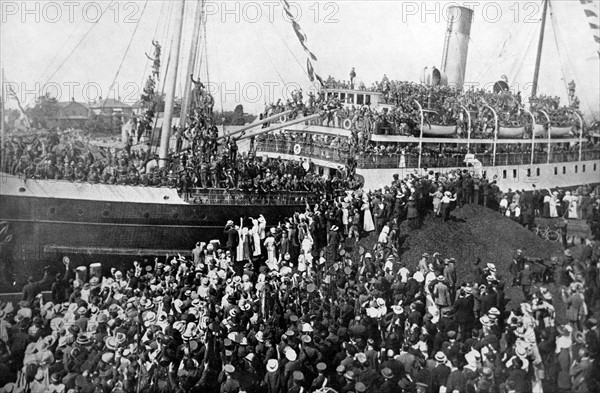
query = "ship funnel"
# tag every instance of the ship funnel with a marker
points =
(456, 44)
(433, 77)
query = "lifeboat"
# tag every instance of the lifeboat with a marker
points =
(511, 132)
(438, 131)
(560, 132)
(539, 130)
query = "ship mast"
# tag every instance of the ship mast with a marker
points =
(185, 102)
(447, 43)
(2, 131)
(539, 51)
(170, 85)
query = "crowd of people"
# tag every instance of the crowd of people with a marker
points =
(445, 106)
(582, 203)
(299, 306)
(204, 162)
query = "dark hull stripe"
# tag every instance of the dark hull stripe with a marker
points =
(110, 224)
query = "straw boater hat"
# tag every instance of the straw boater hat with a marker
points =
(272, 365)
(441, 357)
(290, 354)
(387, 373)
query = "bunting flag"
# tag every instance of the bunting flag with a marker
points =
(303, 39)
(301, 36)
(310, 70)
(320, 80)
(592, 11)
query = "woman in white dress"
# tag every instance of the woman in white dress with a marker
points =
(239, 251)
(255, 237)
(345, 216)
(553, 203)
(572, 205)
(307, 243)
(271, 255)
(368, 225)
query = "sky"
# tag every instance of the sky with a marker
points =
(251, 55)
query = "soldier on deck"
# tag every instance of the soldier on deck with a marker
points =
(204, 174)
(352, 76)
(213, 171)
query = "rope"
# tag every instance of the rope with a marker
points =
(61, 48)
(302, 66)
(166, 70)
(268, 56)
(80, 42)
(127, 49)
(218, 70)
(203, 40)
(522, 62)
(161, 21)
(562, 70)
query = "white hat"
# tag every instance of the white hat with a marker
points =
(290, 354)
(418, 276)
(272, 365)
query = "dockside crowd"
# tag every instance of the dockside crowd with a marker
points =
(299, 306)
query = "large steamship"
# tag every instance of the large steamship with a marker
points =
(51, 219)
(553, 166)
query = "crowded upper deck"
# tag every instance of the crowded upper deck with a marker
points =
(385, 127)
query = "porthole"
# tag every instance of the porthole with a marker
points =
(105, 213)
(52, 210)
(146, 215)
(166, 197)
(80, 212)
(564, 170)
(22, 189)
(576, 168)
(555, 170)
(504, 174)
(514, 173)
(528, 172)
(537, 171)
(583, 168)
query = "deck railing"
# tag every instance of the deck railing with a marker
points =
(223, 196)
(396, 160)
(307, 149)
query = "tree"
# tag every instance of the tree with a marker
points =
(45, 109)
(238, 116)
(99, 124)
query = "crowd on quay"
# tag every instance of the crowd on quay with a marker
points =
(288, 308)
(582, 203)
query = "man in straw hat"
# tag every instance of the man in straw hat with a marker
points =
(230, 384)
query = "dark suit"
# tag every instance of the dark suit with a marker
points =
(440, 376)
(233, 238)
(463, 314)
(32, 289)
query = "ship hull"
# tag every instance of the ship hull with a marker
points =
(516, 177)
(45, 228)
